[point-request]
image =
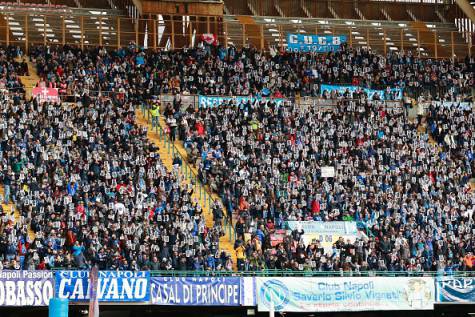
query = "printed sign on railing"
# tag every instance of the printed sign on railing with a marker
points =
(215, 101)
(388, 94)
(120, 286)
(292, 294)
(314, 43)
(26, 288)
(326, 232)
(453, 289)
(196, 291)
(43, 94)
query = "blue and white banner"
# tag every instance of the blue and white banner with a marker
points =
(314, 43)
(26, 288)
(457, 290)
(326, 232)
(196, 291)
(334, 227)
(388, 94)
(114, 286)
(215, 101)
(293, 294)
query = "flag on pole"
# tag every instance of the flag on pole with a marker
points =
(145, 38)
(93, 285)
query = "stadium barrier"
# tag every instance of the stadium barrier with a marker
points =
(108, 29)
(290, 291)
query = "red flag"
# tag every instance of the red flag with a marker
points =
(209, 38)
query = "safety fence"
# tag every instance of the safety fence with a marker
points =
(83, 29)
(287, 293)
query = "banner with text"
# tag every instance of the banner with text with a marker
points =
(196, 291)
(314, 43)
(43, 94)
(114, 286)
(215, 101)
(326, 232)
(388, 94)
(26, 288)
(295, 294)
(457, 290)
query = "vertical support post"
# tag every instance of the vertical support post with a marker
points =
(208, 29)
(281, 38)
(367, 37)
(82, 32)
(452, 44)
(7, 30)
(435, 44)
(118, 32)
(384, 42)
(261, 33)
(418, 42)
(63, 31)
(225, 34)
(44, 30)
(469, 42)
(350, 37)
(173, 31)
(136, 24)
(100, 31)
(154, 32)
(243, 35)
(26, 34)
(402, 40)
(190, 30)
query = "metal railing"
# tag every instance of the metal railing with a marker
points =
(292, 273)
(203, 192)
(302, 273)
(113, 31)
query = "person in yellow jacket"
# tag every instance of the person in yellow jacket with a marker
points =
(240, 256)
(155, 113)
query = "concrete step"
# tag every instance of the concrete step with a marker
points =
(189, 174)
(31, 80)
(8, 208)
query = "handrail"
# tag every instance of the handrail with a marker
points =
(303, 273)
(195, 178)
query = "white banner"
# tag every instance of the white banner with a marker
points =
(300, 294)
(328, 171)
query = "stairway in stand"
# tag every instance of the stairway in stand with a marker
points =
(168, 151)
(31, 80)
(9, 208)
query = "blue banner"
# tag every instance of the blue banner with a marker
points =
(314, 43)
(114, 286)
(389, 94)
(215, 101)
(196, 291)
(451, 289)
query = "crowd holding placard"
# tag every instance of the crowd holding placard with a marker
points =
(94, 190)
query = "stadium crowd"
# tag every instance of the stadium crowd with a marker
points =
(413, 193)
(220, 71)
(94, 189)
(96, 192)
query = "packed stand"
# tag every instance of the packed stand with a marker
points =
(264, 161)
(220, 71)
(410, 191)
(94, 191)
(12, 66)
